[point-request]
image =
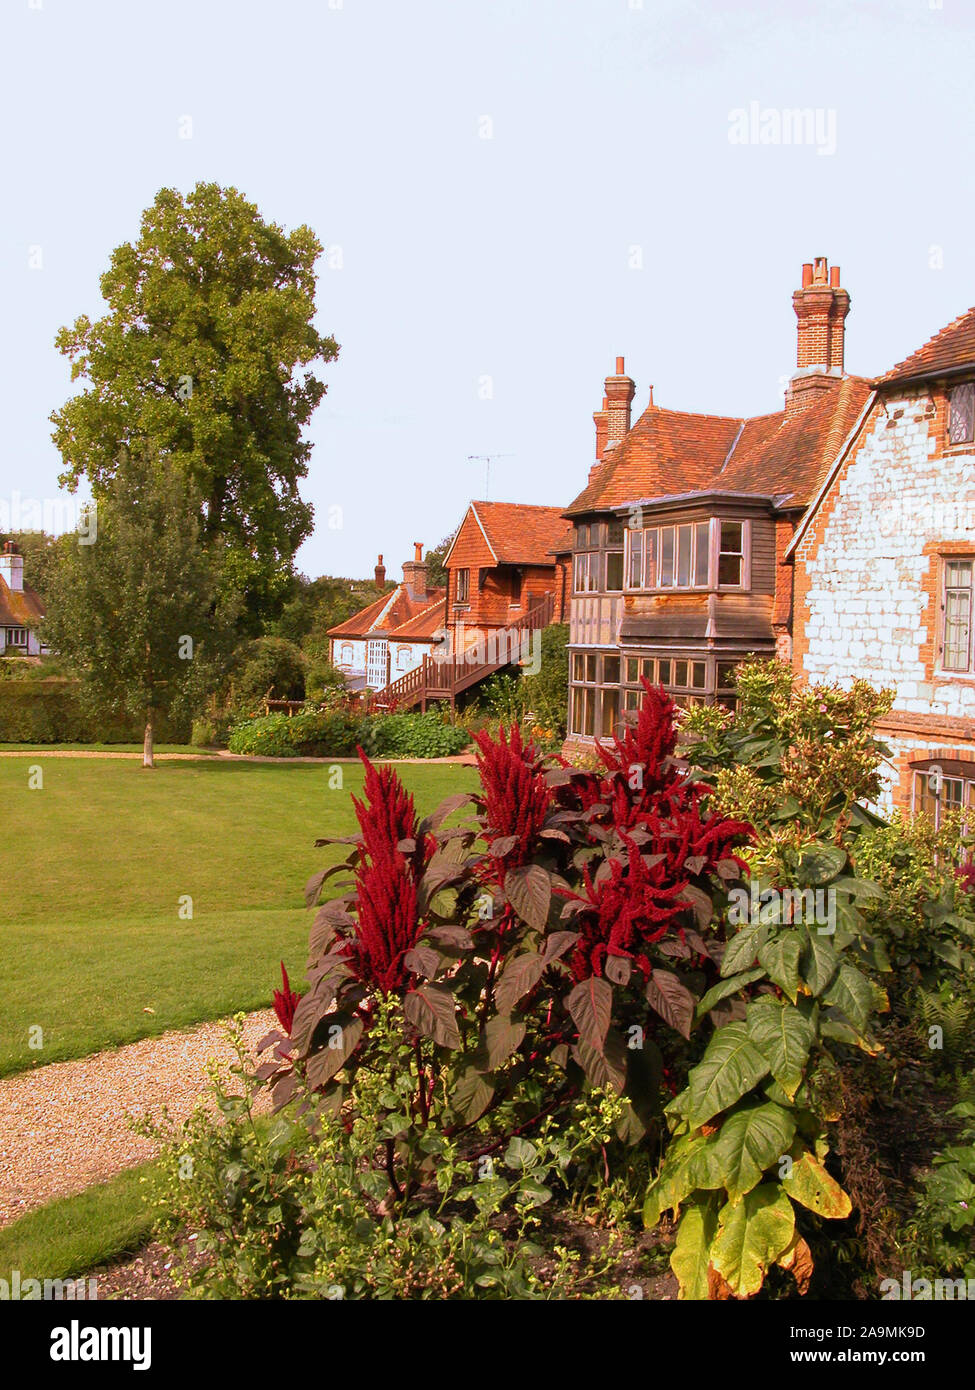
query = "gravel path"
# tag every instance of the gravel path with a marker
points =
(65, 1126)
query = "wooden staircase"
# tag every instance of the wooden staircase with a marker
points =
(445, 678)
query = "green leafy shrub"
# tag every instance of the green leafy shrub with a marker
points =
(412, 736)
(267, 667)
(943, 1233)
(49, 710)
(311, 734)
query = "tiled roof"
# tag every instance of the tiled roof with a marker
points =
(953, 347)
(521, 535)
(670, 452)
(424, 627)
(20, 608)
(790, 456)
(387, 613)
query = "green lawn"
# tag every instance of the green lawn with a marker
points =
(95, 865)
(72, 1235)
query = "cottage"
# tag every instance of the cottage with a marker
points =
(504, 560)
(391, 636)
(21, 609)
(884, 560)
(680, 537)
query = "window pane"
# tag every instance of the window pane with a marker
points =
(666, 557)
(684, 537)
(729, 569)
(610, 711)
(663, 676)
(578, 573)
(594, 559)
(680, 674)
(699, 678)
(636, 559)
(588, 710)
(701, 546)
(731, 537)
(646, 669)
(614, 571)
(582, 537)
(614, 533)
(632, 670)
(611, 670)
(650, 546)
(591, 669)
(578, 667)
(632, 698)
(726, 675)
(961, 414)
(958, 615)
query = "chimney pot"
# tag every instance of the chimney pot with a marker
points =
(418, 552)
(380, 573)
(834, 277)
(807, 273)
(620, 367)
(821, 307)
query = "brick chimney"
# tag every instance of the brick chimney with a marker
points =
(600, 419)
(821, 307)
(415, 573)
(380, 573)
(12, 567)
(620, 390)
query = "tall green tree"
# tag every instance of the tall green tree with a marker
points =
(139, 611)
(203, 358)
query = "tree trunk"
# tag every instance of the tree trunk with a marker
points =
(147, 758)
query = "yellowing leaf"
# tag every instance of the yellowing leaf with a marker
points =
(810, 1184)
(752, 1234)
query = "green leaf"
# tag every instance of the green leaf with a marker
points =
(780, 957)
(591, 1006)
(691, 1253)
(751, 1236)
(743, 948)
(529, 891)
(725, 987)
(820, 864)
(854, 993)
(750, 1140)
(520, 1153)
(820, 962)
(783, 1037)
(729, 1069)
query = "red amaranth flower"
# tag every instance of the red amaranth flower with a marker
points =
(516, 796)
(388, 923)
(625, 912)
(285, 1002)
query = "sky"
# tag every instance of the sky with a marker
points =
(510, 193)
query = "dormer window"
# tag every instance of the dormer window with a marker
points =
(961, 414)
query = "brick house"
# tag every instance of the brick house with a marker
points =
(504, 559)
(884, 561)
(391, 636)
(680, 538)
(21, 609)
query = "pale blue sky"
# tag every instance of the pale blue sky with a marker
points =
(509, 258)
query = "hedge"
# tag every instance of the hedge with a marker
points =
(48, 711)
(337, 734)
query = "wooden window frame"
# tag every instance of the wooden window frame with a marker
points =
(966, 443)
(714, 553)
(944, 560)
(465, 596)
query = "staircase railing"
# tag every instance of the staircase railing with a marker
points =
(445, 678)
